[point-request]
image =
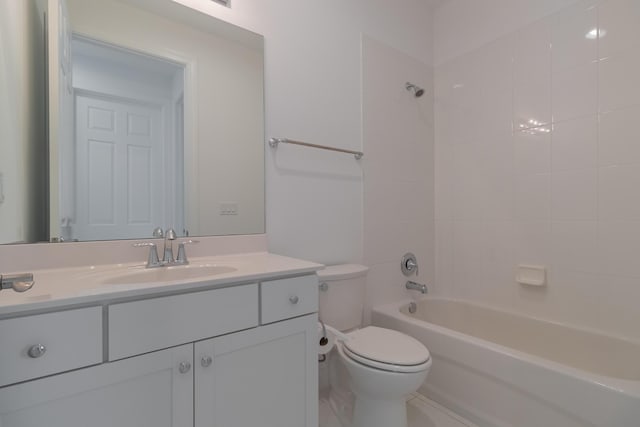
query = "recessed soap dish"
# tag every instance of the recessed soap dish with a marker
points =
(531, 275)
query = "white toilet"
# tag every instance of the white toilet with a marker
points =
(384, 366)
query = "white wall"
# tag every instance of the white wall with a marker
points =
(563, 195)
(313, 93)
(398, 171)
(21, 105)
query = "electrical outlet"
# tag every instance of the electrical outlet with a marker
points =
(228, 208)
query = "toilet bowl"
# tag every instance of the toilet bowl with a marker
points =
(383, 365)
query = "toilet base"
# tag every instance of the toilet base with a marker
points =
(379, 413)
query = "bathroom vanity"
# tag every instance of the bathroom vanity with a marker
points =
(112, 346)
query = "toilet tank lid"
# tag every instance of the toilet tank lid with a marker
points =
(342, 271)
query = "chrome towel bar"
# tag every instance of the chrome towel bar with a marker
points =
(273, 142)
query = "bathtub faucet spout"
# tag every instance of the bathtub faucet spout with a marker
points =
(416, 287)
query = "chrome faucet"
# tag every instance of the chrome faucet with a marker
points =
(169, 237)
(181, 259)
(153, 260)
(18, 282)
(167, 259)
(416, 287)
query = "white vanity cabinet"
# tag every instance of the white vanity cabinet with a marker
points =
(265, 377)
(143, 391)
(204, 358)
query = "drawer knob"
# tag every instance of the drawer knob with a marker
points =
(184, 367)
(294, 299)
(36, 351)
(206, 361)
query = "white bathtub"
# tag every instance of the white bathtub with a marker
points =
(501, 369)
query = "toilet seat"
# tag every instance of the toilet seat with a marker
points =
(387, 350)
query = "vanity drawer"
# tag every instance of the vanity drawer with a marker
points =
(69, 339)
(286, 298)
(142, 326)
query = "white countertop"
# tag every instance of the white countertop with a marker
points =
(63, 287)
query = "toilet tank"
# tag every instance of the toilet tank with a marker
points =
(341, 296)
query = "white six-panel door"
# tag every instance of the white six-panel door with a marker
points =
(119, 162)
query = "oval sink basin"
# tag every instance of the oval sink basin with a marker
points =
(168, 274)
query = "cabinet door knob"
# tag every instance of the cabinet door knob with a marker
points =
(36, 351)
(206, 361)
(184, 367)
(294, 299)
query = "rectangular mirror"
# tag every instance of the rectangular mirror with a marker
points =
(155, 120)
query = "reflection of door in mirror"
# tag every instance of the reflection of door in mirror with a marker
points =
(119, 152)
(120, 171)
(203, 79)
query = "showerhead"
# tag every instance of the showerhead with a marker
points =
(417, 90)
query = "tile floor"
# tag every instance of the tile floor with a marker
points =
(421, 412)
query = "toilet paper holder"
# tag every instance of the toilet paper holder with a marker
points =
(323, 339)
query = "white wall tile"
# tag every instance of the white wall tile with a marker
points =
(532, 104)
(532, 57)
(495, 285)
(492, 67)
(619, 82)
(532, 151)
(574, 92)
(499, 195)
(574, 144)
(532, 242)
(443, 257)
(468, 241)
(574, 195)
(618, 248)
(578, 297)
(468, 182)
(533, 197)
(617, 309)
(618, 193)
(619, 18)
(398, 171)
(619, 137)
(570, 47)
(574, 246)
(443, 192)
(566, 199)
(499, 244)
(498, 151)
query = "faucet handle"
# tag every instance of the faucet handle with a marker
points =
(409, 264)
(153, 260)
(182, 253)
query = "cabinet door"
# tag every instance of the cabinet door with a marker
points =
(144, 391)
(267, 376)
